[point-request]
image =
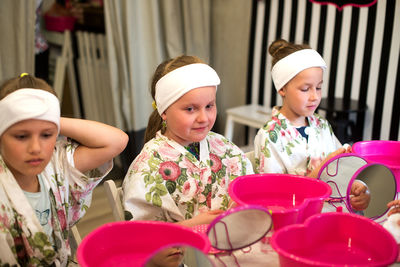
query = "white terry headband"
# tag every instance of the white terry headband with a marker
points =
(24, 104)
(178, 82)
(285, 69)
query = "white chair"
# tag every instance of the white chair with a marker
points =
(114, 196)
(74, 240)
(76, 235)
(252, 115)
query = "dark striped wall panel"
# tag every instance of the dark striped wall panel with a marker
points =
(360, 45)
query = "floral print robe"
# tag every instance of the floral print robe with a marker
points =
(167, 183)
(280, 148)
(22, 239)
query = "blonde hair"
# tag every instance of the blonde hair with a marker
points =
(155, 121)
(26, 81)
(281, 48)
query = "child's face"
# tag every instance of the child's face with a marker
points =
(169, 257)
(27, 147)
(192, 116)
(302, 95)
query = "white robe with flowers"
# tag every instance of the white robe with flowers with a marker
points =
(23, 241)
(167, 183)
(280, 148)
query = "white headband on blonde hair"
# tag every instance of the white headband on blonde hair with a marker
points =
(178, 82)
(27, 103)
(285, 69)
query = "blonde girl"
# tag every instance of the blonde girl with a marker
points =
(296, 140)
(46, 182)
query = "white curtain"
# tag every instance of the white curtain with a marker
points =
(142, 34)
(17, 42)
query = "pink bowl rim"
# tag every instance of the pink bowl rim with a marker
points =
(356, 147)
(284, 253)
(80, 253)
(302, 206)
(368, 142)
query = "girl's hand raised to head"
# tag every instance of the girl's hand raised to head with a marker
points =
(99, 142)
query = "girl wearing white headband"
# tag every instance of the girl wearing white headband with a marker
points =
(45, 182)
(183, 172)
(297, 140)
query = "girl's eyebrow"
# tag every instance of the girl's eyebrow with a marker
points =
(29, 130)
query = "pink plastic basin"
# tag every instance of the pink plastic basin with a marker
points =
(59, 23)
(130, 243)
(384, 152)
(290, 198)
(335, 239)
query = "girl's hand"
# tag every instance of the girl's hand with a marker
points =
(232, 204)
(360, 196)
(202, 218)
(394, 207)
(347, 148)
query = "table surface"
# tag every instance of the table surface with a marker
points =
(259, 254)
(339, 105)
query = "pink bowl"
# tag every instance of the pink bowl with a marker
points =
(59, 23)
(335, 239)
(130, 243)
(290, 198)
(384, 152)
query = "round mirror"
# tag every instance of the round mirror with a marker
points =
(239, 227)
(337, 172)
(346, 171)
(381, 184)
(178, 255)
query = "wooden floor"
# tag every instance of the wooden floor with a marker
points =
(99, 212)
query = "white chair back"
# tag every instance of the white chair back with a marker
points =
(114, 196)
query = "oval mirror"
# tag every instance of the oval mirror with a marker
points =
(337, 172)
(381, 184)
(178, 255)
(239, 227)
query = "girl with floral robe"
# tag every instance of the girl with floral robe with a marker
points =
(46, 179)
(70, 193)
(183, 172)
(297, 140)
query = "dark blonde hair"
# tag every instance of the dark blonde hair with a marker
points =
(281, 48)
(155, 120)
(26, 81)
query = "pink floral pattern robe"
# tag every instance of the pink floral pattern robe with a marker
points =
(22, 239)
(167, 183)
(280, 148)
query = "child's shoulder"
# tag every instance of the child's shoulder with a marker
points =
(318, 121)
(212, 136)
(276, 123)
(218, 141)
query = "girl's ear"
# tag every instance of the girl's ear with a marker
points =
(282, 91)
(164, 116)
